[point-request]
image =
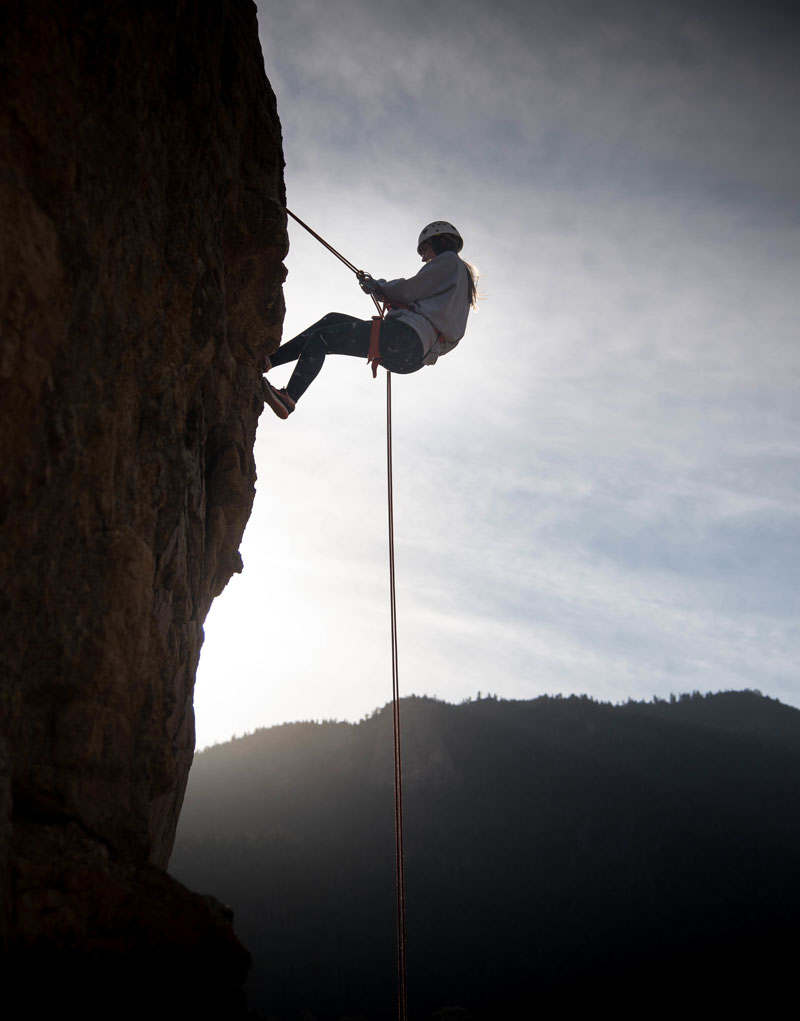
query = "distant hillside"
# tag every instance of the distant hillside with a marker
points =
(559, 851)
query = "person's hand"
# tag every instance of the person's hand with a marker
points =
(367, 284)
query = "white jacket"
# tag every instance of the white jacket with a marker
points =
(438, 303)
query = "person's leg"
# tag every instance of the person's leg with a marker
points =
(401, 348)
(333, 334)
(292, 349)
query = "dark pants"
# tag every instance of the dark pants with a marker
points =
(338, 334)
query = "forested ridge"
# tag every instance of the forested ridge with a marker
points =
(560, 854)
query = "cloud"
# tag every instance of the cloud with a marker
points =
(598, 490)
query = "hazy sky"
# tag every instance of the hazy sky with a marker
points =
(598, 491)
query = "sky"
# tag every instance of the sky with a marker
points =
(598, 490)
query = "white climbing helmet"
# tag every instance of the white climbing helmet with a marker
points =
(437, 228)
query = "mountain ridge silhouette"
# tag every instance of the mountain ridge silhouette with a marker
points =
(556, 849)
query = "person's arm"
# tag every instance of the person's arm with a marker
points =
(435, 277)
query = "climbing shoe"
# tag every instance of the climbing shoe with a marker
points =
(279, 400)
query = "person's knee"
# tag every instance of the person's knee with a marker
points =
(315, 346)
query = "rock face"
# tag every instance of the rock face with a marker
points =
(142, 235)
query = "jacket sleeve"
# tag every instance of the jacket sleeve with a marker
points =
(435, 277)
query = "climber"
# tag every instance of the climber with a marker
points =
(427, 318)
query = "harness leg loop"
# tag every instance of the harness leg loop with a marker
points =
(374, 353)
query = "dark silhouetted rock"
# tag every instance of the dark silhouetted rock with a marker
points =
(142, 238)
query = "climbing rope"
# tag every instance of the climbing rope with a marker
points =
(400, 881)
(339, 256)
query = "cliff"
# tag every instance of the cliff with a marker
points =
(141, 253)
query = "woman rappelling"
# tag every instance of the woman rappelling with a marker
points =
(426, 319)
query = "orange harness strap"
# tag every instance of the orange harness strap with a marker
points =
(374, 353)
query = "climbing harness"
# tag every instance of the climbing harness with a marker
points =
(374, 353)
(373, 358)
